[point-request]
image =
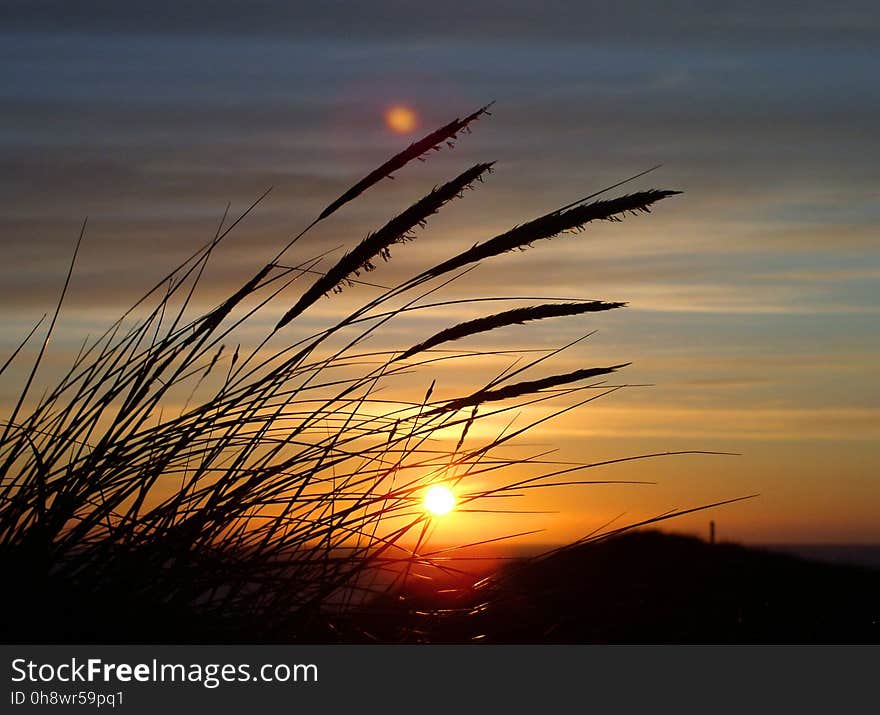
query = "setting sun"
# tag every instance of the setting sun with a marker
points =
(400, 119)
(439, 500)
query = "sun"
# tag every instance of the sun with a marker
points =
(439, 500)
(400, 119)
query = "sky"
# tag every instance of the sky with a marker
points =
(752, 298)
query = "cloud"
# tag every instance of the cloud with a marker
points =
(752, 296)
(644, 420)
(747, 21)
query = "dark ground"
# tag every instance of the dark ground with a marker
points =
(650, 587)
(640, 587)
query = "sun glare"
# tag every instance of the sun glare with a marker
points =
(400, 119)
(439, 500)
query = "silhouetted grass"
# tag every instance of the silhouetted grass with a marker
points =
(284, 495)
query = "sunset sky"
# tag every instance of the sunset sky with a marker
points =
(753, 297)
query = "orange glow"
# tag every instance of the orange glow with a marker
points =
(400, 119)
(439, 500)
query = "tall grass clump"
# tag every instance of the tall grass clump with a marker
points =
(177, 485)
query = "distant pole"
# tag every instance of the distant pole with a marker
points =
(712, 532)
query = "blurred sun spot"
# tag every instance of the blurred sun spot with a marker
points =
(439, 500)
(400, 119)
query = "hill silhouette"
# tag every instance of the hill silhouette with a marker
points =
(652, 587)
